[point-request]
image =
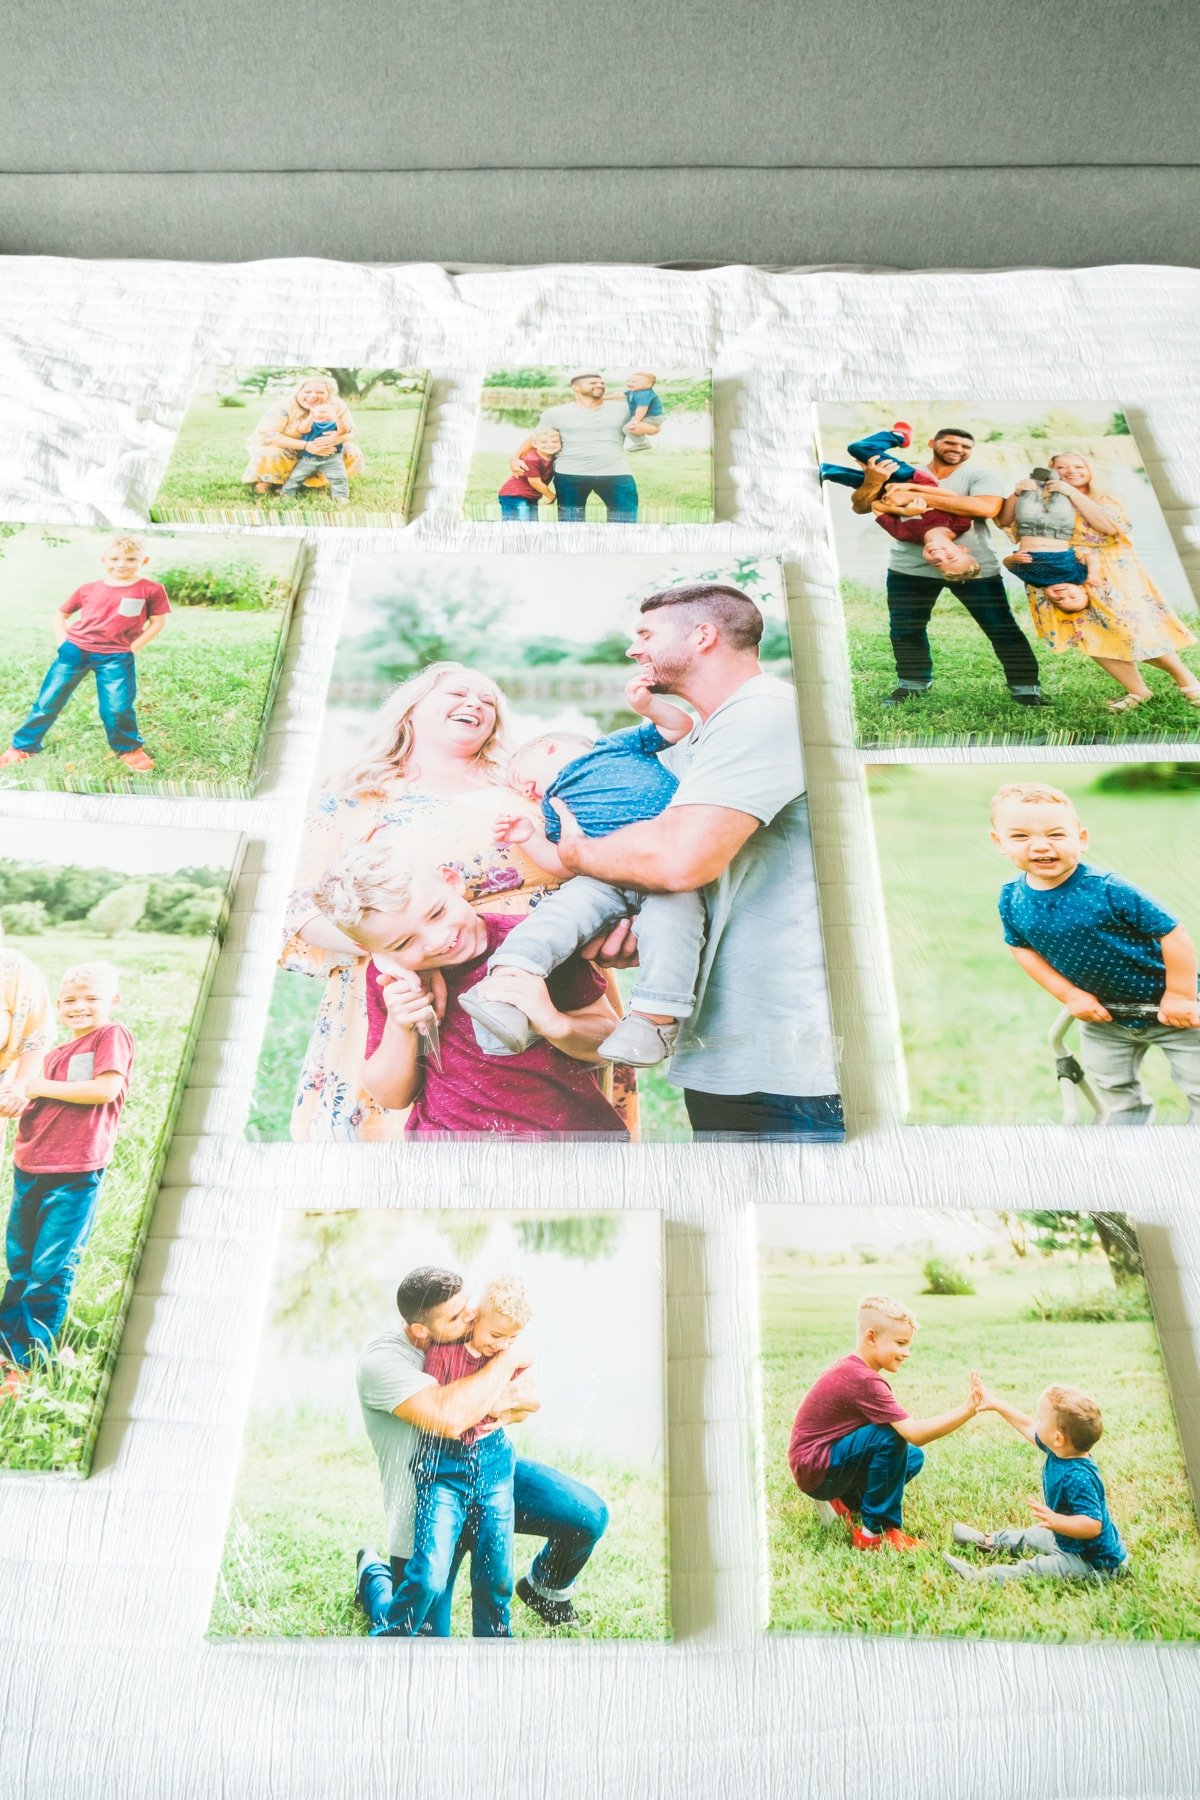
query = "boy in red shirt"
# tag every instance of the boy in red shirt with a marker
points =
(64, 1143)
(853, 1448)
(100, 629)
(521, 495)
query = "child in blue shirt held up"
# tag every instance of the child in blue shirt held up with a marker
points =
(645, 410)
(1122, 964)
(1074, 1538)
(614, 781)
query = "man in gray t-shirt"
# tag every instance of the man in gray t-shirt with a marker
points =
(592, 458)
(912, 591)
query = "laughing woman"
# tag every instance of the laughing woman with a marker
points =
(281, 437)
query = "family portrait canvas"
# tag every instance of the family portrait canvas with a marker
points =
(1007, 575)
(622, 446)
(1043, 923)
(556, 876)
(110, 936)
(296, 446)
(967, 1430)
(457, 1429)
(135, 661)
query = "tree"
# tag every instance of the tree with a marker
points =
(583, 1237)
(356, 384)
(1078, 1232)
(121, 910)
(26, 918)
(1118, 426)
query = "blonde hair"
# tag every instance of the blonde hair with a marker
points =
(298, 415)
(1076, 1415)
(106, 976)
(507, 1295)
(549, 737)
(880, 1309)
(389, 748)
(367, 879)
(1031, 793)
(1059, 454)
(124, 540)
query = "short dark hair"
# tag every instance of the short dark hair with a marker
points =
(422, 1290)
(952, 431)
(733, 613)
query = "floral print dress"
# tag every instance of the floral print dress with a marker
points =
(1128, 619)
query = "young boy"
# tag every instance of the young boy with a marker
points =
(1074, 1538)
(323, 427)
(521, 495)
(616, 780)
(1113, 957)
(467, 1478)
(414, 921)
(853, 1447)
(64, 1143)
(1045, 524)
(100, 630)
(916, 523)
(645, 410)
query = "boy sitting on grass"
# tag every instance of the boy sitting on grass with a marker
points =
(853, 1447)
(1124, 966)
(64, 1143)
(411, 922)
(1074, 1538)
(100, 629)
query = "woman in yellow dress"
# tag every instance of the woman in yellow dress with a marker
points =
(26, 1028)
(279, 437)
(1128, 622)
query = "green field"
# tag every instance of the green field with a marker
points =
(44, 1426)
(973, 1025)
(289, 1568)
(672, 485)
(983, 1473)
(969, 700)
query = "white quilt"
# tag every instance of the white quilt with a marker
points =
(106, 1687)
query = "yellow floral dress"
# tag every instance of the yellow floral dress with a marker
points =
(1128, 619)
(275, 462)
(26, 1015)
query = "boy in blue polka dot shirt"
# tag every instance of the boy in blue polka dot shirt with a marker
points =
(1122, 964)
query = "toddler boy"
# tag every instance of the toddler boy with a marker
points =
(323, 425)
(645, 409)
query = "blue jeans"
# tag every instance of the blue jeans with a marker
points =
(812, 1118)
(116, 691)
(459, 1487)
(570, 1516)
(48, 1225)
(518, 507)
(618, 492)
(911, 600)
(869, 1470)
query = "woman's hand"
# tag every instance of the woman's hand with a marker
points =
(1025, 487)
(516, 466)
(12, 1102)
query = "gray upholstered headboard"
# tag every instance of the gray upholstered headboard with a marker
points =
(907, 132)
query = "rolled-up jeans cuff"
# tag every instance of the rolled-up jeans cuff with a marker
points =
(549, 1593)
(914, 687)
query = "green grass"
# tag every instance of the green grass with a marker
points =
(46, 1425)
(983, 1473)
(969, 701)
(673, 485)
(203, 478)
(973, 1025)
(308, 1496)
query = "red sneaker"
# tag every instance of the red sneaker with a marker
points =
(11, 1379)
(13, 755)
(138, 760)
(863, 1540)
(905, 430)
(842, 1511)
(895, 1539)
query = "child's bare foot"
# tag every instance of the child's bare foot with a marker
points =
(13, 755)
(138, 761)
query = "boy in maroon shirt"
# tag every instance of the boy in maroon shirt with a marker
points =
(65, 1137)
(100, 629)
(521, 495)
(853, 1447)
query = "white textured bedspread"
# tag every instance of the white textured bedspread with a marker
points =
(107, 1688)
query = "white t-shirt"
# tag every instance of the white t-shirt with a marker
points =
(390, 1371)
(593, 437)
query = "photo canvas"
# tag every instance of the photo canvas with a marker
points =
(143, 661)
(555, 879)
(966, 1429)
(610, 445)
(1043, 923)
(457, 1428)
(1051, 608)
(110, 939)
(296, 446)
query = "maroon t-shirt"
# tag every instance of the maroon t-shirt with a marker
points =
(105, 620)
(839, 1401)
(453, 1362)
(540, 466)
(912, 531)
(540, 1093)
(60, 1137)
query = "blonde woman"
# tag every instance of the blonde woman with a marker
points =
(1127, 622)
(281, 437)
(26, 1028)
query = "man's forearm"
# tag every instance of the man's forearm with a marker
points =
(967, 506)
(636, 856)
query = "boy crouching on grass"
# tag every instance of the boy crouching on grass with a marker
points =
(64, 1143)
(1074, 1538)
(853, 1447)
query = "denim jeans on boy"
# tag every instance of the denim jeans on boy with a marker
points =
(1112, 1057)
(459, 1486)
(518, 507)
(869, 1470)
(670, 935)
(1048, 1558)
(811, 1118)
(618, 493)
(116, 691)
(333, 467)
(911, 600)
(570, 1516)
(48, 1225)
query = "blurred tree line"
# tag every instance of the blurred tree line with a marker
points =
(37, 897)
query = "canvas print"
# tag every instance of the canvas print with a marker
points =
(966, 1428)
(622, 446)
(556, 877)
(1007, 575)
(457, 1429)
(110, 935)
(1043, 922)
(296, 446)
(140, 661)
